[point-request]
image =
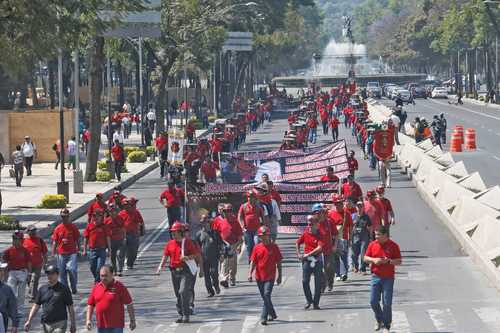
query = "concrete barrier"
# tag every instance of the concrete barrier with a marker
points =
(425, 167)
(473, 182)
(435, 152)
(490, 197)
(457, 170)
(449, 194)
(486, 233)
(425, 145)
(434, 181)
(445, 160)
(469, 210)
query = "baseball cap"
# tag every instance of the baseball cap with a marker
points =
(3, 265)
(370, 194)
(64, 212)
(17, 234)
(317, 207)
(50, 269)
(31, 228)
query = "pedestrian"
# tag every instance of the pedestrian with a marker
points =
(383, 255)
(209, 170)
(72, 151)
(232, 237)
(211, 248)
(18, 260)
(97, 237)
(182, 253)
(374, 209)
(352, 162)
(132, 221)
(172, 199)
(37, 249)
(312, 124)
(119, 158)
(66, 246)
(389, 217)
(272, 214)
(108, 298)
(396, 123)
(85, 140)
(151, 117)
(56, 147)
(117, 135)
(330, 176)
(329, 234)
(436, 130)
(334, 125)
(351, 190)
(29, 153)
(197, 267)
(161, 145)
(8, 303)
(361, 231)
(265, 261)
(311, 260)
(126, 126)
(444, 125)
(250, 217)
(117, 196)
(116, 226)
(56, 302)
(342, 221)
(18, 163)
(99, 203)
(148, 136)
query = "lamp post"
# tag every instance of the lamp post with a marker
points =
(63, 185)
(110, 115)
(77, 174)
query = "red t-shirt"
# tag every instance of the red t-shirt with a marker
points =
(388, 250)
(338, 219)
(161, 143)
(229, 230)
(37, 249)
(116, 226)
(173, 249)
(66, 238)
(352, 191)
(117, 153)
(131, 221)
(375, 211)
(266, 257)
(327, 179)
(326, 234)
(17, 258)
(109, 304)
(173, 198)
(334, 123)
(216, 145)
(312, 123)
(276, 196)
(323, 115)
(251, 216)
(96, 235)
(386, 207)
(96, 205)
(352, 163)
(209, 170)
(310, 240)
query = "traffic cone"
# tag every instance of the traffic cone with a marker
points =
(470, 139)
(455, 143)
(460, 130)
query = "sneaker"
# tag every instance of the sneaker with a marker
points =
(263, 322)
(233, 283)
(180, 320)
(378, 326)
(344, 278)
(217, 289)
(186, 319)
(307, 306)
(271, 318)
(330, 288)
(224, 284)
(338, 278)
(212, 294)
(386, 330)
(316, 307)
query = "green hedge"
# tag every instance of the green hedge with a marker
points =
(130, 149)
(150, 150)
(103, 176)
(8, 223)
(137, 157)
(52, 201)
(102, 165)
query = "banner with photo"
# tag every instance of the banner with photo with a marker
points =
(297, 200)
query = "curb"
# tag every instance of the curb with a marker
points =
(82, 209)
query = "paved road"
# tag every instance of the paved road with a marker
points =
(486, 122)
(438, 289)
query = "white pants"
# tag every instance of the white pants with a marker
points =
(385, 172)
(17, 281)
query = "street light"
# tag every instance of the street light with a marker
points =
(138, 47)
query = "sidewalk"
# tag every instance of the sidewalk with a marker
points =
(476, 102)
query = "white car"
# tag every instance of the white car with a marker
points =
(405, 95)
(439, 92)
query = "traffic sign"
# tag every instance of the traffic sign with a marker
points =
(238, 41)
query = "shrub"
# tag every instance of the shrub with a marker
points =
(211, 119)
(150, 150)
(102, 165)
(53, 201)
(9, 223)
(103, 176)
(137, 157)
(130, 149)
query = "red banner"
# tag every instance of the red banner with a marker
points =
(383, 144)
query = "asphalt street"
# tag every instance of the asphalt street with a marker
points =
(486, 122)
(438, 288)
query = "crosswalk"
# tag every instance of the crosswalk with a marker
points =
(444, 320)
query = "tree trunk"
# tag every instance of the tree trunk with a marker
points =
(121, 89)
(33, 88)
(162, 95)
(52, 87)
(96, 69)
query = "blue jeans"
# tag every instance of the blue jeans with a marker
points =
(341, 259)
(97, 259)
(266, 289)
(382, 287)
(68, 263)
(358, 250)
(313, 134)
(250, 241)
(109, 330)
(307, 271)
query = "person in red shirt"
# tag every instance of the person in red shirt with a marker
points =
(209, 170)
(352, 163)
(375, 210)
(232, 236)
(274, 194)
(266, 260)
(37, 249)
(250, 217)
(312, 124)
(118, 155)
(66, 245)
(342, 221)
(328, 235)
(216, 146)
(108, 298)
(97, 237)
(181, 251)
(132, 221)
(324, 116)
(389, 217)
(99, 203)
(351, 190)
(18, 260)
(383, 255)
(190, 131)
(334, 125)
(116, 226)
(161, 145)
(330, 176)
(312, 263)
(117, 196)
(172, 199)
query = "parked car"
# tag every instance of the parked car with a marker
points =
(439, 92)
(405, 95)
(419, 92)
(373, 89)
(386, 89)
(394, 92)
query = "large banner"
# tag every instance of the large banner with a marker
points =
(297, 200)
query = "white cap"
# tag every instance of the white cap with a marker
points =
(3, 265)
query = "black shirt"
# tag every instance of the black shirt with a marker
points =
(210, 243)
(54, 300)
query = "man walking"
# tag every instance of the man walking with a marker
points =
(38, 253)
(66, 245)
(72, 151)
(250, 217)
(108, 298)
(98, 238)
(8, 302)
(119, 158)
(383, 255)
(312, 261)
(211, 245)
(29, 153)
(172, 199)
(18, 260)
(444, 125)
(116, 226)
(361, 231)
(265, 260)
(56, 302)
(133, 222)
(17, 158)
(341, 220)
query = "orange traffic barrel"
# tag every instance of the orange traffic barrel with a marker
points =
(470, 139)
(459, 129)
(456, 142)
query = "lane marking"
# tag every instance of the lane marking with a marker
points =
(157, 234)
(347, 320)
(467, 110)
(148, 237)
(443, 320)
(400, 322)
(212, 327)
(496, 157)
(249, 324)
(489, 316)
